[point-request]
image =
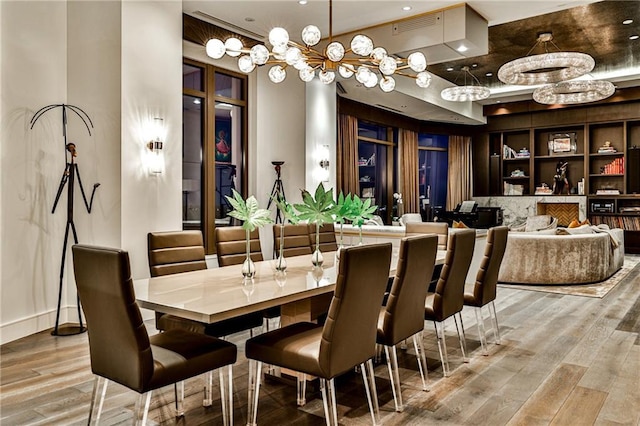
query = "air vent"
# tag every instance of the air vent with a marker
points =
(340, 88)
(417, 23)
(389, 108)
(229, 26)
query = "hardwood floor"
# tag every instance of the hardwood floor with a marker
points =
(565, 360)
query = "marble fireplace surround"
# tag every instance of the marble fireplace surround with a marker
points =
(516, 209)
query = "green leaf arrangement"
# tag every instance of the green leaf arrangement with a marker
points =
(251, 215)
(344, 207)
(361, 210)
(318, 209)
(287, 210)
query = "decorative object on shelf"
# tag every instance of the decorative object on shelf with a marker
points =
(508, 152)
(562, 143)
(362, 161)
(69, 175)
(467, 92)
(523, 153)
(317, 209)
(543, 189)
(607, 148)
(561, 178)
(399, 204)
(371, 65)
(518, 173)
(549, 67)
(581, 187)
(252, 217)
(511, 189)
(574, 92)
(365, 179)
(361, 211)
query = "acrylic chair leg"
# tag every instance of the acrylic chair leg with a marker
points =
(422, 360)
(392, 365)
(442, 347)
(226, 394)
(481, 332)
(372, 394)
(495, 322)
(97, 399)
(255, 375)
(325, 401)
(141, 411)
(333, 404)
(461, 337)
(207, 401)
(301, 385)
(178, 390)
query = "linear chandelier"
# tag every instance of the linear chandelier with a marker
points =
(549, 67)
(574, 92)
(468, 92)
(370, 65)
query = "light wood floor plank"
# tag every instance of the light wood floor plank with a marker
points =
(581, 408)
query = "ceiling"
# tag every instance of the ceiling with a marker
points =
(585, 26)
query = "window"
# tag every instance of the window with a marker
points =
(215, 146)
(432, 170)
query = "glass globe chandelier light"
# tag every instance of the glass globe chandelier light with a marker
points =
(549, 67)
(370, 65)
(466, 93)
(574, 92)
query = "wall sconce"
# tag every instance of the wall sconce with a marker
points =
(323, 154)
(155, 157)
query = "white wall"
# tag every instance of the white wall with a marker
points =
(121, 62)
(321, 121)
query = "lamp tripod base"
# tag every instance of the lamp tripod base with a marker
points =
(68, 330)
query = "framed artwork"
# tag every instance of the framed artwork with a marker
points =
(562, 143)
(223, 140)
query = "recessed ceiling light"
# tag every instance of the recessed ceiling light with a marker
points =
(634, 37)
(489, 74)
(406, 8)
(627, 21)
(302, 2)
(449, 68)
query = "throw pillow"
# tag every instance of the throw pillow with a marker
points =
(583, 229)
(574, 224)
(536, 223)
(460, 224)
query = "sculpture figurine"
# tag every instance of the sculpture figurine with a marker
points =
(561, 179)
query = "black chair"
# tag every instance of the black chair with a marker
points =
(122, 351)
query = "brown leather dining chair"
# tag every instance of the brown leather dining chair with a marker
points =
(121, 350)
(441, 229)
(448, 299)
(485, 286)
(403, 315)
(296, 240)
(327, 237)
(183, 251)
(346, 339)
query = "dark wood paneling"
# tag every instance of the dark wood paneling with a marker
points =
(199, 32)
(481, 154)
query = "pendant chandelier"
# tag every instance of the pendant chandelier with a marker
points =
(468, 92)
(549, 67)
(574, 92)
(370, 65)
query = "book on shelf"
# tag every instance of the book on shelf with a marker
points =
(616, 167)
(608, 192)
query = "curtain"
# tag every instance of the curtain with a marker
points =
(347, 153)
(460, 179)
(409, 170)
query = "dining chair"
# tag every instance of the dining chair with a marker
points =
(231, 245)
(485, 286)
(183, 251)
(441, 229)
(296, 240)
(403, 315)
(231, 249)
(328, 240)
(448, 299)
(346, 339)
(121, 350)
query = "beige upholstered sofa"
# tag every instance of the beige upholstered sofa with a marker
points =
(540, 258)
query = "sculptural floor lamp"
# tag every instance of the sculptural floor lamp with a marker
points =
(68, 177)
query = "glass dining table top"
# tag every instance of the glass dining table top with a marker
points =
(216, 294)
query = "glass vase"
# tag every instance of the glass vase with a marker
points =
(340, 245)
(248, 267)
(281, 263)
(360, 234)
(316, 258)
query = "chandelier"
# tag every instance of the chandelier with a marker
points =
(549, 67)
(466, 93)
(574, 92)
(370, 65)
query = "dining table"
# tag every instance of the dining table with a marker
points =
(303, 291)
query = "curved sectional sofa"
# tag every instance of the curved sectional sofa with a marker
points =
(540, 258)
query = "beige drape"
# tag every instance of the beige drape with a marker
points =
(460, 171)
(409, 171)
(347, 153)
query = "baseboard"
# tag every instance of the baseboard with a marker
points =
(36, 323)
